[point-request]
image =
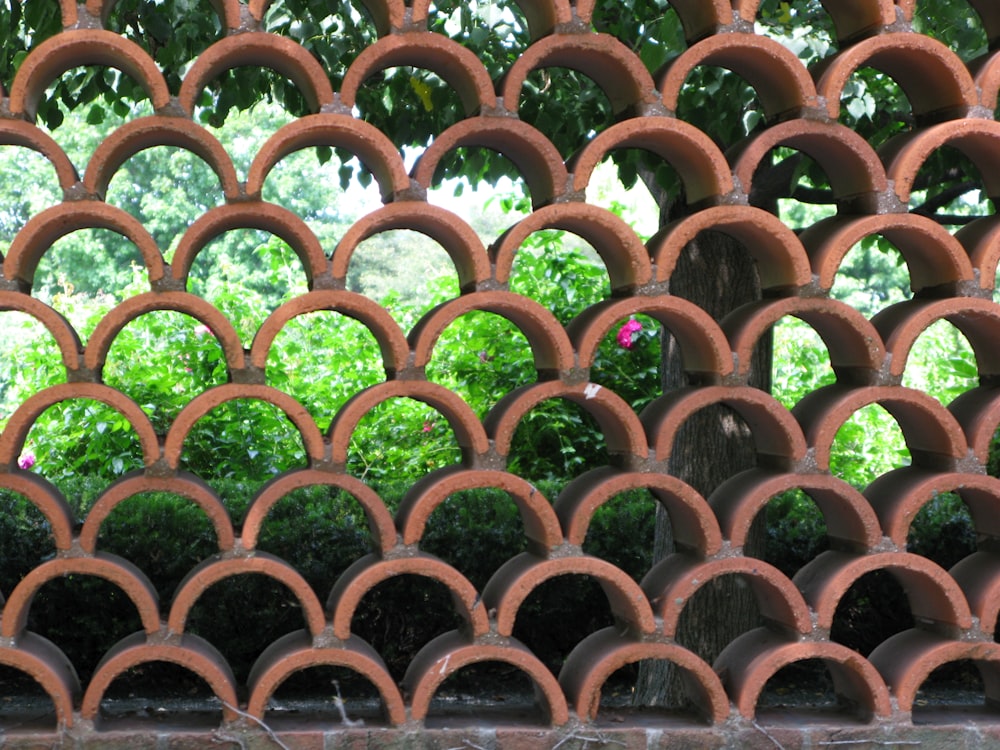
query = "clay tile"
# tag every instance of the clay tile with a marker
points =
(986, 74)
(851, 165)
(70, 49)
(548, 340)
(981, 240)
(933, 595)
(855, 19)
(782, 84)
(934, 79)
(369, 571)
(458, 239)
(449, 652)
(511, 585)
(601, 654)
(295, 651)
(256, 215)
(468, 429)
(258, 49)
(541, 525)
(116, 570)
(610, 64)
(776, 434)
(455, 64)
(23, 419)
(977, 410)
(21, 133)
(218, 568)
(978, 575)
(202, 404)
(905, 154)
(703, 17)
(105, 332)
(543, 16)
(380, 522)
(698, 161)
(933, 257)
(55, 323)
(622, 431)
(42, 660)
(531, 152)
(673, 581)
(192, 653)
(849, 518)
(43, 229)
(751, 660)
(934, 437)
(989, 14)
(370, 145)
(616, 242)
(47, 498)
(148, 132)
(187, 486)
(373, 316)
(703, 345)
(781, 259)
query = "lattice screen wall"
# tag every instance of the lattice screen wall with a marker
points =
(956, 611)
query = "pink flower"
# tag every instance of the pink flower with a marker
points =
(428, 426)
(26, 461)
(203, 330)
(626, 334)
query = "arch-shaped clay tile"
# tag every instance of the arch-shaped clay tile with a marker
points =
(449, 230)
(978, 319)
(851, 165)
(933, 596)
(616, 242)
(977, 410)
(849, 519)
(981, 240)
(933, 78)
(392, 344)
(218, 568)
(703, 17)
(366, 142)
(933, 436)
(379, 520)
(45, 228)
(268, 217)
(907, 659)
(541, 526)
(750, 660)
(116, 570)
(295, 651)
(75, 47)
(103, 337)
(66, 338)
(691, 520)
(49, 501)
(986, 75)
(369, 571)
(543, 16)
(933, 256)
(897, 497)
(21, 133)
(783, 85)
(514, 581)
(703, 345)
(978, 575)
(257, 48)
(23, 419)
(468, 429)
(600, 654)
(857, 18)
(549, 343)
(673, 581)
(989, 14)
(698, 161)
(42, 660)
(203, 403)
(776, 433)
(529, 149)
(854, 344)
(781, 259)
(978, 139)
(148, 132)
(187, 486)
(618, 72)
(191, 652)
(621, 428)
(455, 64)
(451, 651)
